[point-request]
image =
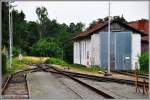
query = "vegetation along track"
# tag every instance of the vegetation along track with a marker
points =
(16, 86)
(101, 93)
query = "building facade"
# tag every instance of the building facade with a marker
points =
(91, 46)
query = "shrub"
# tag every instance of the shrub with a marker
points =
(46, 47)
(56, 61)
(144, 61)
(16, 51)
(4, 64)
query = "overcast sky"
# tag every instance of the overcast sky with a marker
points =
(86, 12)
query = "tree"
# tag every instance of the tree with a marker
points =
(72, 28)
(19, 31)
(42, 38)
(79, 27)
(76, 28)
(92, 24)
(42, 16)
(5, 24)
(46, 47)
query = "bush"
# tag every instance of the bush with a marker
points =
(4, 64)
(17, 51)
(144, 61)
(56, 61)
(46, 47)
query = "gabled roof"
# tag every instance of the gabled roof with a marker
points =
(142, 25)
(100, 26)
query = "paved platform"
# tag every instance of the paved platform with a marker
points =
(45, 86)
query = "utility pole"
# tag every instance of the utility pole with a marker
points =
(109, 38)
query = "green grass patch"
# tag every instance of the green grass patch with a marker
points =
(56, 61)
(18, 65)
(74, 67)
(94, 69)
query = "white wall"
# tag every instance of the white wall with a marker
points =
(81, 50)
(76, 58)
(93, 47)
(95, 50)
(136, 48)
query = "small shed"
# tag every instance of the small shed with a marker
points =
(91, 46)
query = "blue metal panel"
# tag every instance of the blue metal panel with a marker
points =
(104, 49)
(120, 50)
(123, 50)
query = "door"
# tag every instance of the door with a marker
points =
(123, 50)
(104, 50)
(120, 50)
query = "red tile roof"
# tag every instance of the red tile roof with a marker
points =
(142, 25)
(92, 30)
(101, 25)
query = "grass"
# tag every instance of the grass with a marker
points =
(94, 69)
(34, 60)
(80, 69)
(74, 67)
(56, 61)
(18, 65)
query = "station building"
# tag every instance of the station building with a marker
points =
(91, 46)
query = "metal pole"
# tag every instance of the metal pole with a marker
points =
(1, 51)
(109, 38)
(10, 32)
(10, 38)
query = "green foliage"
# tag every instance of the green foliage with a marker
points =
(4, 64)
(55, 38)
(46, 47)
(5, 24)
(56, 61)
(84, 68)
(16, 51)
(144, 61)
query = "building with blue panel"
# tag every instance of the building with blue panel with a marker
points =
(91, 46)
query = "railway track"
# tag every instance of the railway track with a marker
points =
(16, 86)
(99, 78)
(18, 82)
(143, 76)
(54, 70)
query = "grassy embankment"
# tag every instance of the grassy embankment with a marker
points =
(18, 65)
(94, 70)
